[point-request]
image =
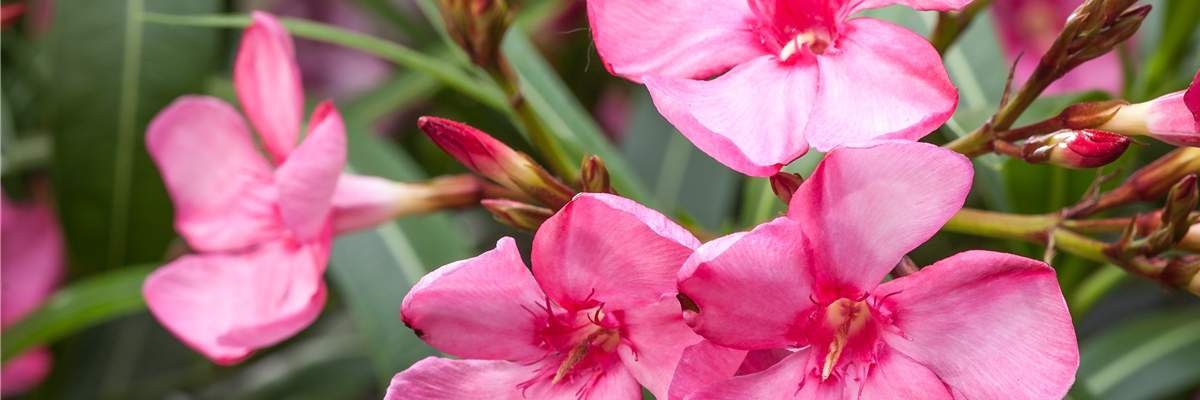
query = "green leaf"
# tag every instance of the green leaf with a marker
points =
(85, 303)
(448, 74)
(111, 75)
(565, 117)
(1182, 20)
(1143, 359)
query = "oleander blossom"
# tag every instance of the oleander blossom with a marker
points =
(31, 266)
(792, 73)
(263, 229)
(596, 317)
(977, 325)
(1027, 29)
(1173, 118)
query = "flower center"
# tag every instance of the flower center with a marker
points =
(845, 318)
(605, 340)
(816, 44)
(585, 339)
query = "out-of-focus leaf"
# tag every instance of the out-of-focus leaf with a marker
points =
(83, 304)
(759, 203)
(1143, 359)
(1181, 22)
(565, 117)
(679, 173)
(111, 75)
(453, 76)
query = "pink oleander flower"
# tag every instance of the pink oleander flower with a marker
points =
(792, 73)
(978, 325)
(31, 267)
(1173, 118)
(596, 317)
(1027, 28)
(263, 229)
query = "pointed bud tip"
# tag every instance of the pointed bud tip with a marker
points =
(785, 185)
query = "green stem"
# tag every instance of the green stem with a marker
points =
(527, 120)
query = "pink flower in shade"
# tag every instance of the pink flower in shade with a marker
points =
(793, 73)
(978, 325)
(596, 317)
(263, 229)
(1027, 28)
(1173, 118)
(31, 267)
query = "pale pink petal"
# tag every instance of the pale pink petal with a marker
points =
(897, 377)
(487, 307)
(363, 201)
(751, 287)
(440, 378)
(25, 371)
(1191, 99)
(685, 39)
(786, 380)
(653, 339)
(861, 96)
(920, 5)
(991, 325)
(31, 263)
(608, 249)
(1169, 119)
(748, 119)
(308, 179)
(227, 305)
(268, 84)
(221, 186)
(869, 204)
(701, 364)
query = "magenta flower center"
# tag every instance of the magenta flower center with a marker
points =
(843, 332)
(584, 340)
(787, 27)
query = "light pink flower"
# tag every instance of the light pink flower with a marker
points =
(1030, 27)
(263, 231)
(793, 73)
(31, 267)
(1173, 118)
(597, 316)
(978, 325)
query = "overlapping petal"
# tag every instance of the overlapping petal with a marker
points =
(781, 381)
(268, 84)
(860, 96)
(749, 118)
(221, 186)
(439, 378)
(991, 325)
(703, 363)
(308, 179)
(487, 307)
(901, 194)
(898, 377)
(919, 5)
(31, 263)
(610, 250)
(686, 39)
(751, 288)
(657, 337)
(227, 305)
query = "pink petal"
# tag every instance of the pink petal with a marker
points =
(701, 364)
(751, 287)
(1168, 119)
(656, 338)
(782, 381)
(24, 372)
(897, 377)
(221, 186)
(919, 5)
(749, 118)
(760, 360)
(440, 378)
(868, 204)
(227, 305)
(861, 96)
(31, 263)
(991, 325)
(608, 249)
(487, 307)
(684, 39)
(309, 178)
(1191, 98)
(363, 201)
(268, 84)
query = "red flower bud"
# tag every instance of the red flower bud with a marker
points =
(785, 185)
(517, 214)
(1080, 149)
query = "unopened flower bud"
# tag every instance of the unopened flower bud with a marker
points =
(477, 26)
(518, 215)
(491, 158)
(594, 176)
(1173, 118)
(365, 201)
(1183, 273)
(1180, 203)
(1076, 149)
(785, 185)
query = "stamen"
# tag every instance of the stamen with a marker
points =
(835, 349)
(574, 357)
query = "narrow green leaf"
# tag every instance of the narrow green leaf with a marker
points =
(84, 304)
(1182, 21)
(565, 117)
(1146, 358)
(111, 75)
